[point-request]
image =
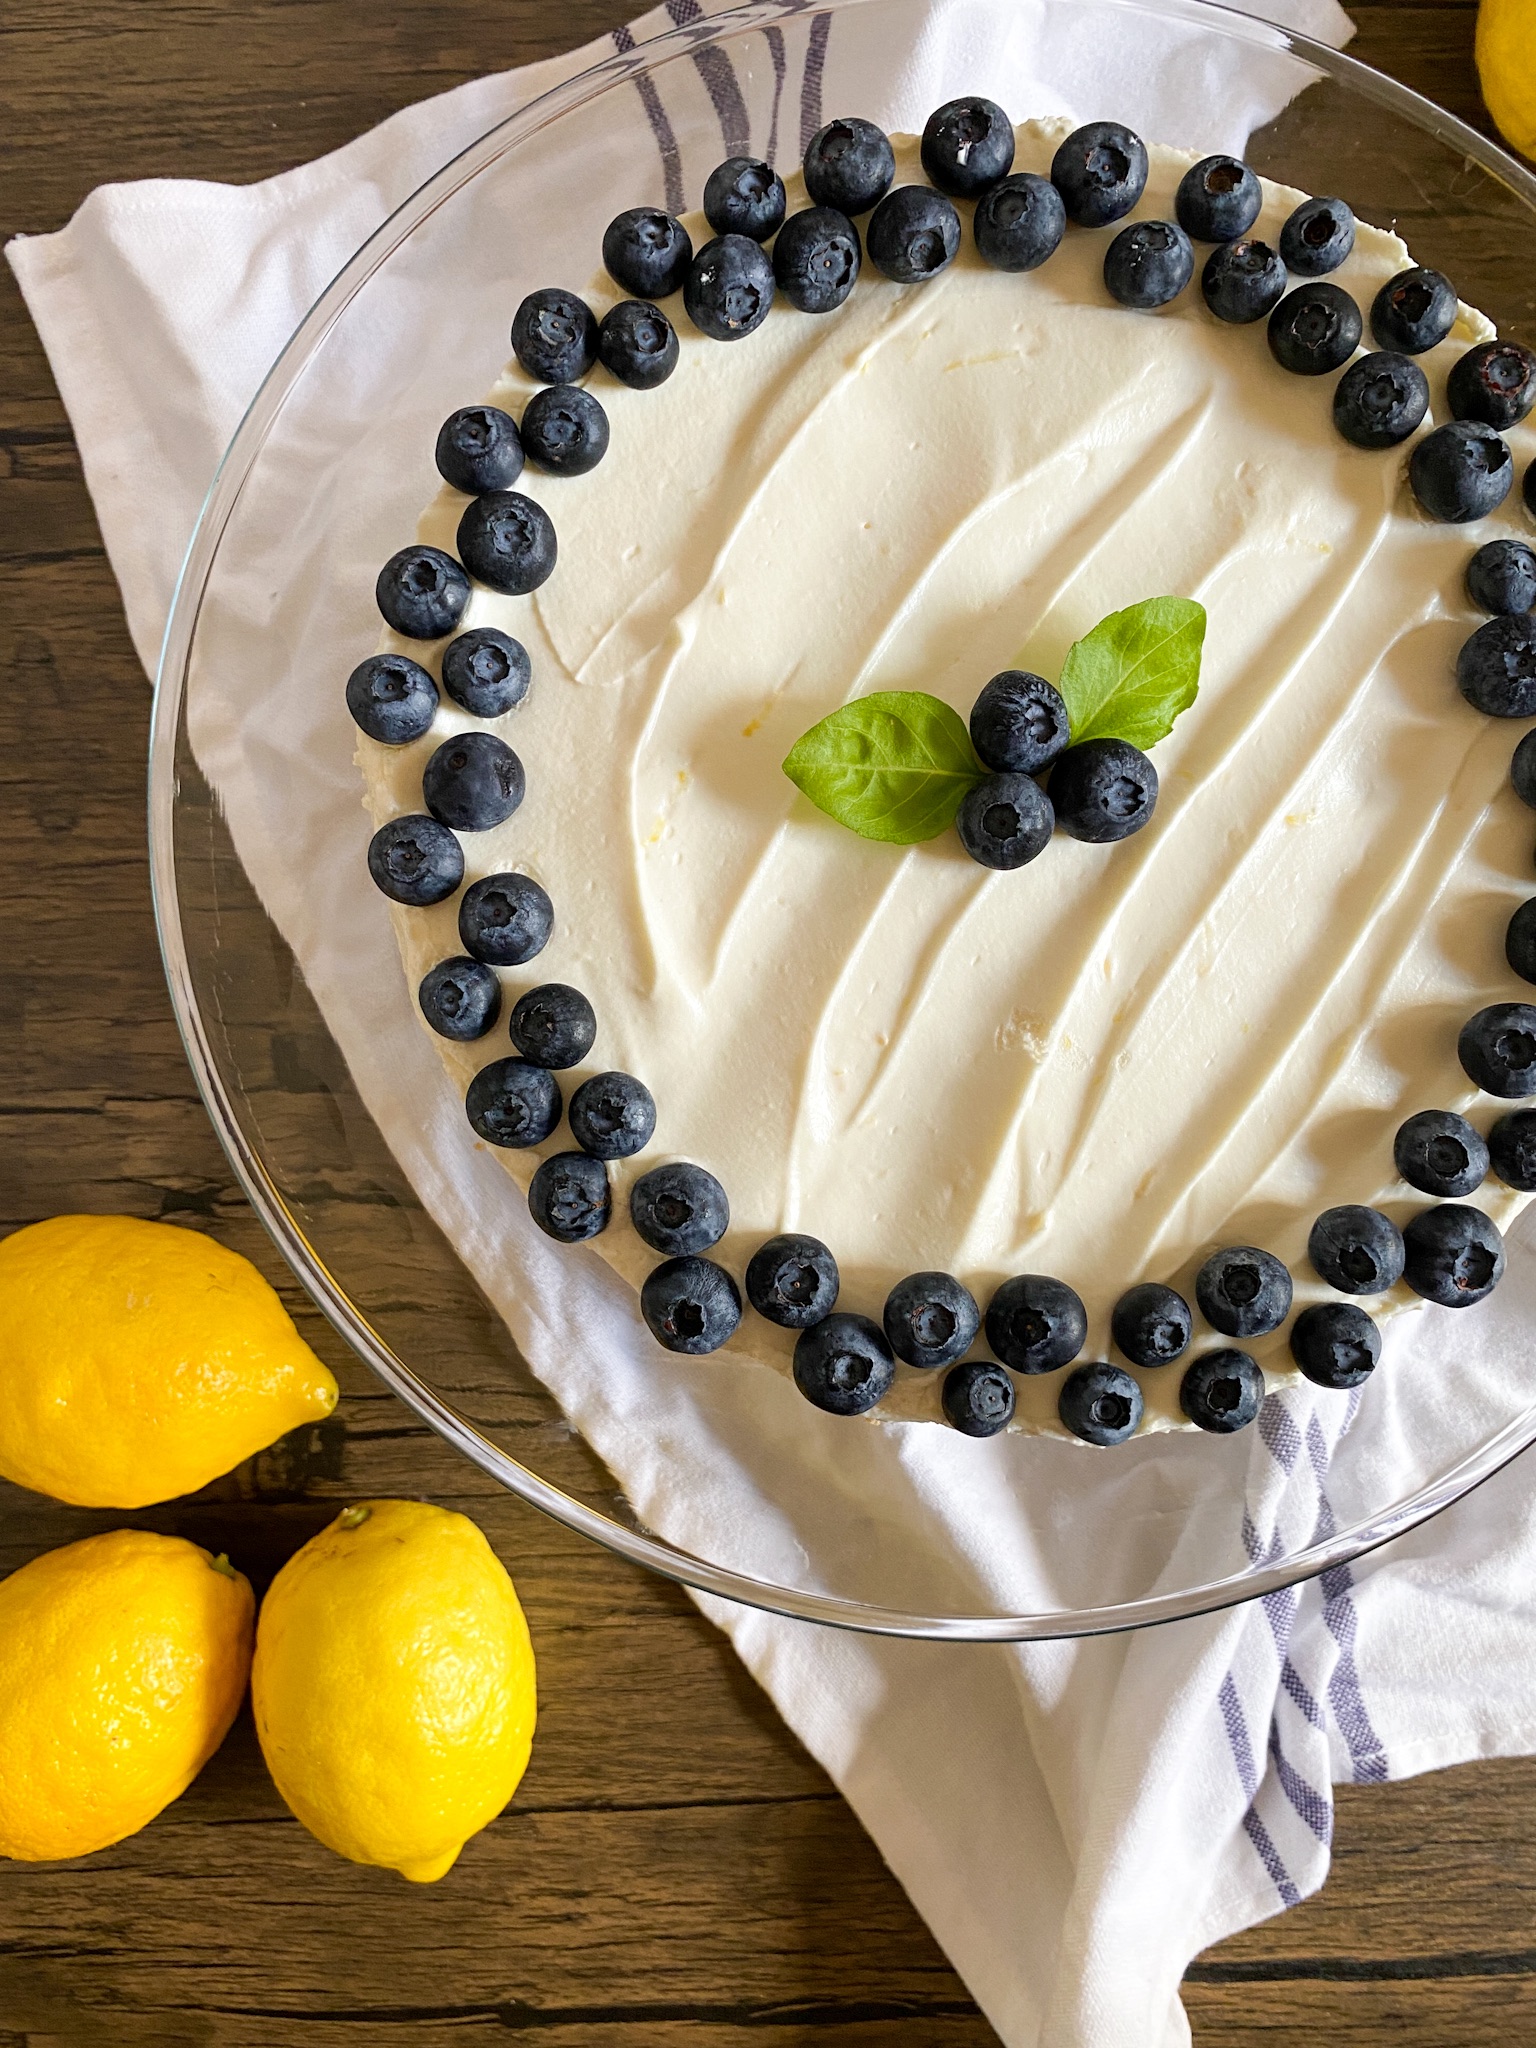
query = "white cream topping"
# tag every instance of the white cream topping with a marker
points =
(1116, 1059)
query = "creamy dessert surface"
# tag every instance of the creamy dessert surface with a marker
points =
(1112, 1061)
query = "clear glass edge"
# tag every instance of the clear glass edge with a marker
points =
(652, 1552)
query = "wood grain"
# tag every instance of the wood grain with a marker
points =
(675, 1873)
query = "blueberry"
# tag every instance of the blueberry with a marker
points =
(1019, 723)
(1528, 488)
(553, 1026)
(1455, 1255)
(1380, 400)
(793, 1281)
(977, 1398)
(679, 1208)
(913, 234)
(392, 698)
(1357, 1250)
(1103, 790)
(1335, 1344)
(930, 1319)
(486, 671)
(729, 289)
(479, 449)
(1100, 172)
(1019, 222)
(816, 259)
(1520, 941)
(460, 998)
(843, 1364)
(690, 1305)
(569, 1197)
(1440, 1153)
(1151, 1324)
(473, 782)
(744, 197)
(1148, 264)
(967, 146)
(612, 1116)
(565, 430)
(1035, 1323)
(1218, 199)
(1413, 311)
(505, 920)
(1005, 821)
(1314, 329)
(1498, 1049)
(645, 252)
(1496, 669)
(513, 1103)
(508, 542)
(848, 165)
(1242, 281)
(1522, 770)
(554, 336)
(422, 593)
(1243, 1292)
(1461, 471)
(1318, 237)
(1221, 1391)
(638, 344)
(1501, 579)
(1512, 1148)
(415, 860)
(1494, 382)
(1101, 1403)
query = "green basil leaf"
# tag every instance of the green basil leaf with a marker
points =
(895, 765)
(1135, 672)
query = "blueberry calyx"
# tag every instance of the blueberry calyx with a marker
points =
(1335, 1344)
(460, 998)
(913, 234)
(569, 1197)
(612, 1116)
(647, 253)
(392, 699)
(1454, 1255)
(1035, 1323)
(553, 1025)
(479, 449)
(1357, 1250)
(638, 344)
(486, 671)
(930, 1319)
(1221, 1391)
(1005, 821)
(792, 1280)
(554, 336)
(1413, 311)
(1151, 1324)
(1218, 199)
(1019, 222)
(1380, 400)
(849, 165)
(843, 1364)
(565, 430)
(1103, 791)
(422, 592)
(1101, 1403)
(513, 1104)
(967, 146)
(1440, 1153)
(679, 1208)
(508, 542)
(744, 196)
(1243, 1292)
(416, 861)
(977, 1398)
(816, 259)
(505, 920)
(690, 1305)
(1497, 1048)
(729, 289)
(1100, 171)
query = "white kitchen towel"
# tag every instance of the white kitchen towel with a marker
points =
(1074, 1820)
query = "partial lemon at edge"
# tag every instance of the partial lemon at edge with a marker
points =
(1506, 68)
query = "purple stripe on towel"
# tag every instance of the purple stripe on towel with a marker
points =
(1279, 1432)
(1367, 1756)
(1248, 1778)
(810, 83)
(1315, 1809)
(720, 81)
(1269, 1856)
(774, 37)
(661, 128)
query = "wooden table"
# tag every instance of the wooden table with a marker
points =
(675, 1873)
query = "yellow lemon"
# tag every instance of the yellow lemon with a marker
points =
(122, 1663)
(138, 1361)
(1506, 68)
(394, 1685)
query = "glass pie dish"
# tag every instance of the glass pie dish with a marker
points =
(261, 938)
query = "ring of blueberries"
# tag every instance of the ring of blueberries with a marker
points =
(1101, 791)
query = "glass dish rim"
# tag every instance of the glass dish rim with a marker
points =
(310, 1268)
